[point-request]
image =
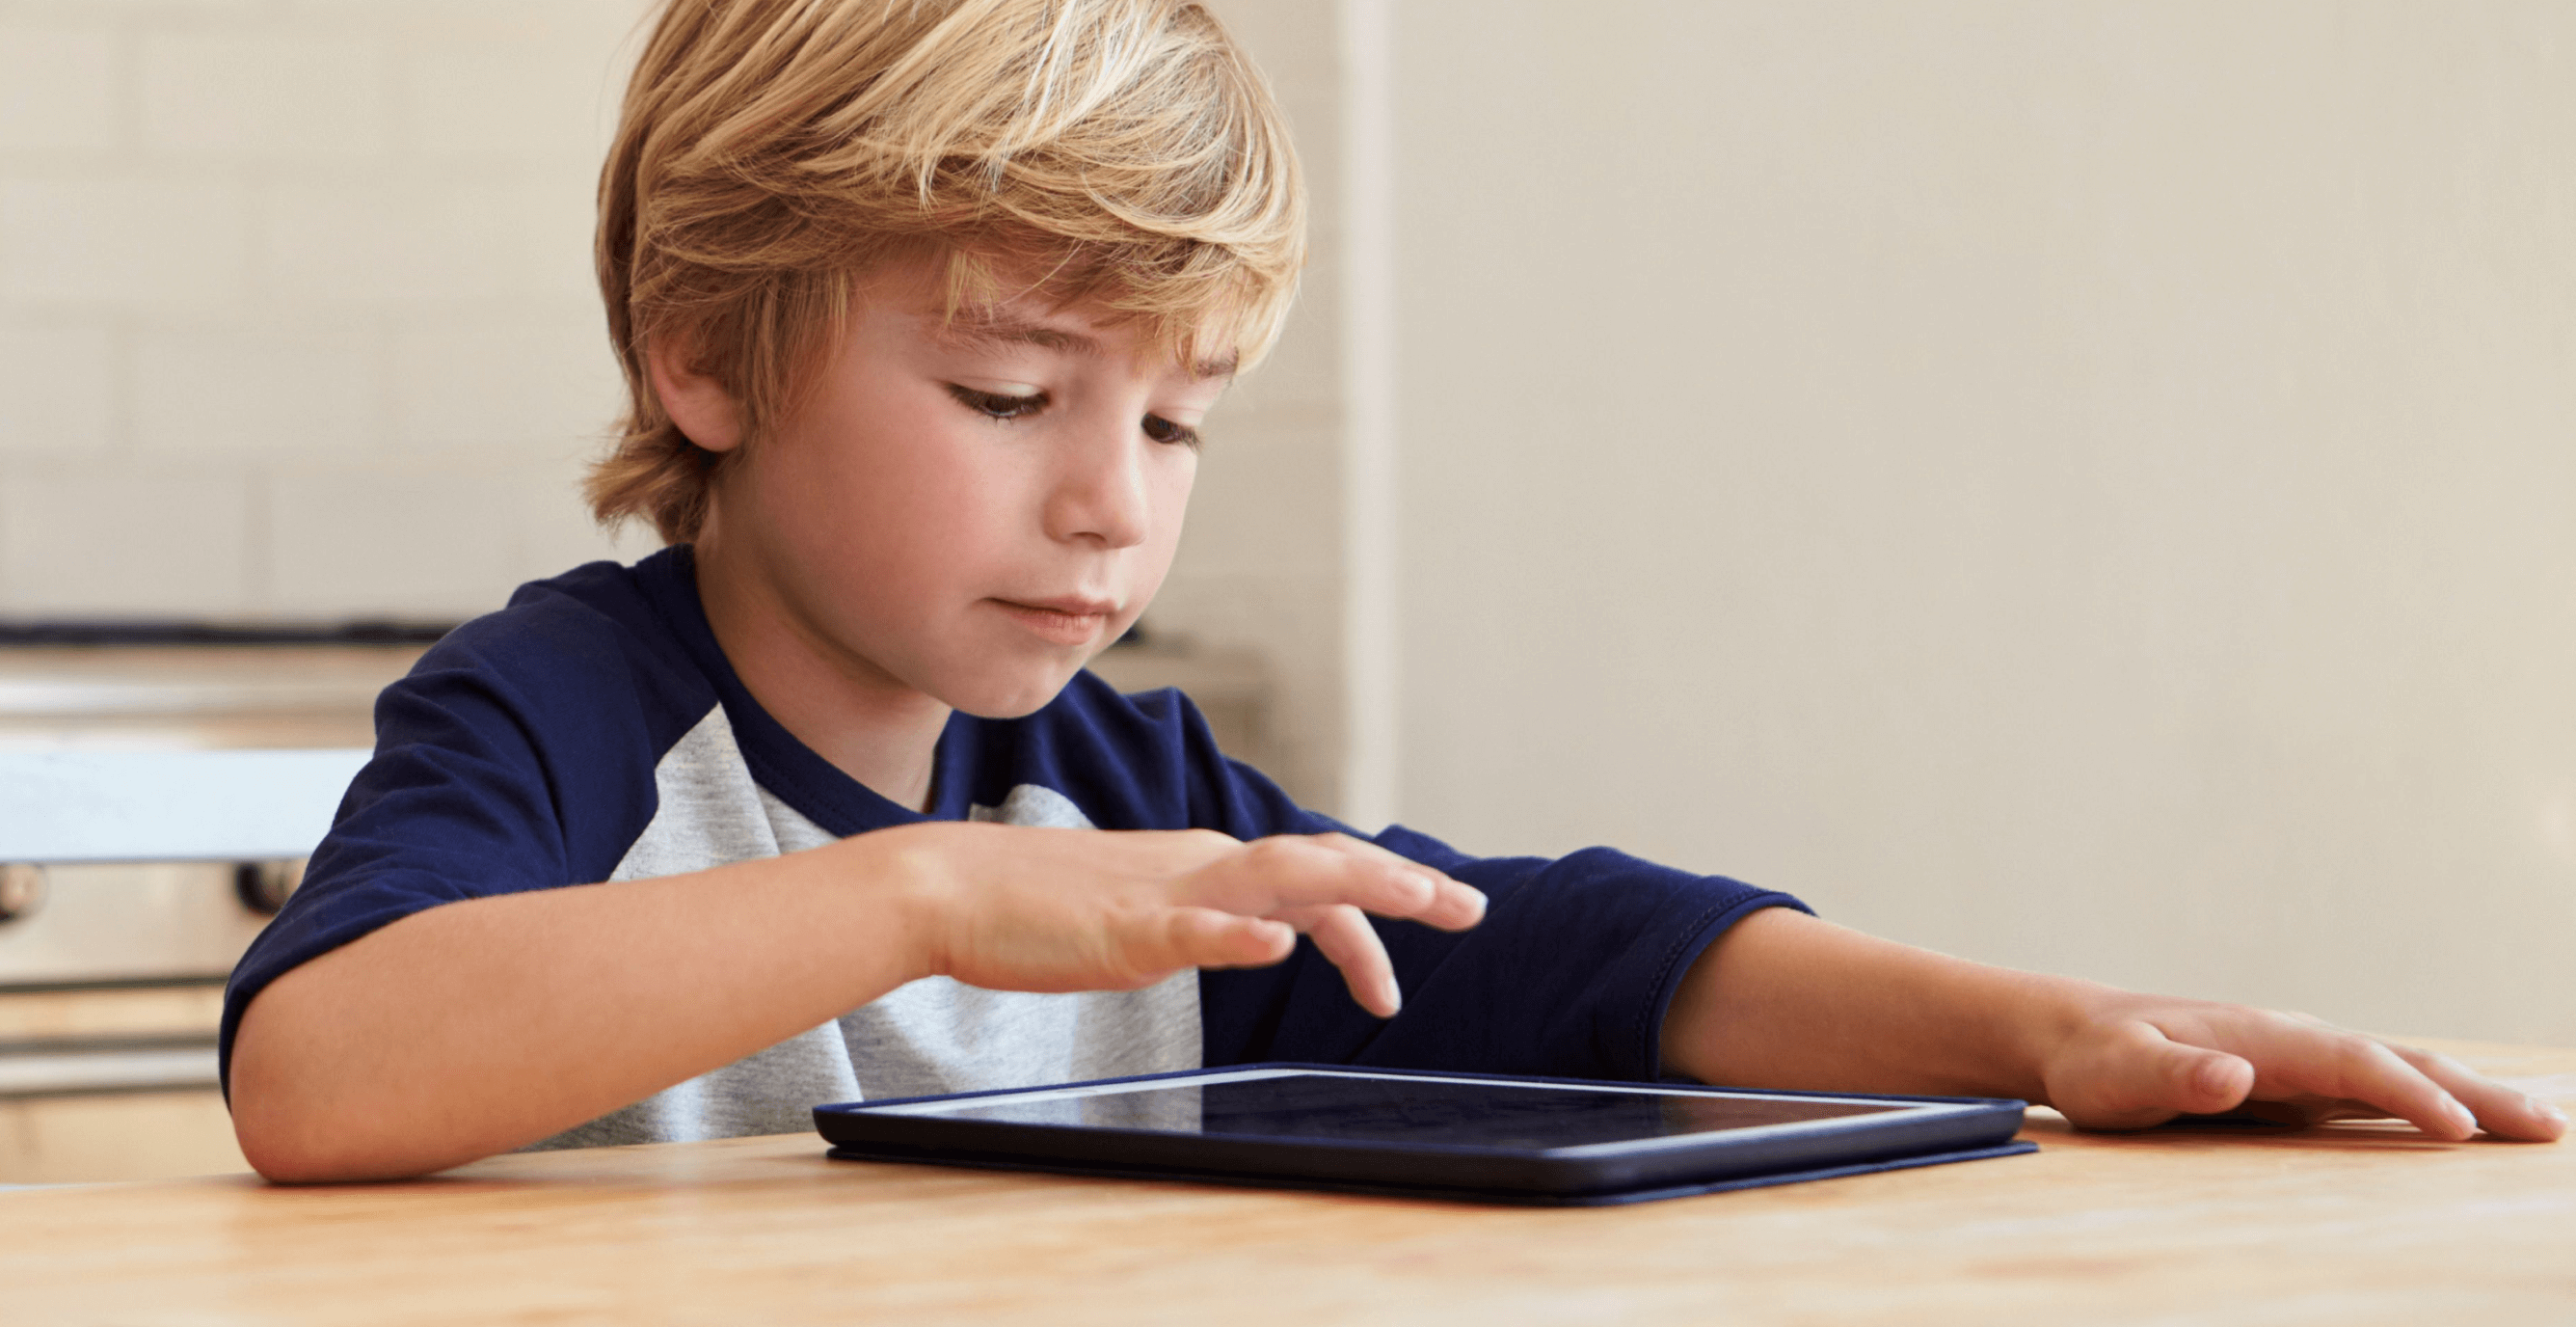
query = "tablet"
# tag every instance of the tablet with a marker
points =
(1475, 1136)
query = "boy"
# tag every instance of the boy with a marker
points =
(921, 306)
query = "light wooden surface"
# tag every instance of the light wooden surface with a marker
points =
(2342, 1225)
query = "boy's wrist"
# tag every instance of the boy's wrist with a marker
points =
(905, 877)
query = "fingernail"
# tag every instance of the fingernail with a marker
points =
(2460, 1115)
(2213, 1075)
(2547, 1110)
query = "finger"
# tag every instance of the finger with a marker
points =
(1209, 938)
(2293, 1061)
(1289, 871)
(1448, 904)
(2503, 1111)
(1455, 905)
(1342, 935)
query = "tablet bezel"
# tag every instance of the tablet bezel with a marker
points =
(918, 1129)
(942, 1107)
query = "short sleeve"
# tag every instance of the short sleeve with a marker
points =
(517, 755)
(1569, 974)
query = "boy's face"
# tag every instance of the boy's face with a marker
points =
(971, 509)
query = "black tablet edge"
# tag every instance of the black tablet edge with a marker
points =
(1541, 1179)
(1491, 1197)
(1430, 1165)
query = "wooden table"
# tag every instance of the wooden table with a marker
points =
(2348, 1224)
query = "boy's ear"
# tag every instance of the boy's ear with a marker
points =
(695, 401)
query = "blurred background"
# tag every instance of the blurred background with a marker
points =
(2082, 485)
(2086, 486)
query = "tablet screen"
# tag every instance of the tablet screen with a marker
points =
(1363, 1108)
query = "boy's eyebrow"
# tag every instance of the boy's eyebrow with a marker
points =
(991, 330)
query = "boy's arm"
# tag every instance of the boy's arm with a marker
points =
(1785, 1000)
(479, 1026)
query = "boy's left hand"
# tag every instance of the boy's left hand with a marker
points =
(2140, 1060)
(1789, 1001)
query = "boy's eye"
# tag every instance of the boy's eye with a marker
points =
(1164, 430)
(998, 405)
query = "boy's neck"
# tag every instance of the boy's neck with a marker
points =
(867, 723)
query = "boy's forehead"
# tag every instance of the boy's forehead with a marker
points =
(1071, 330)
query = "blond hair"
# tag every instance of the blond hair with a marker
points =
(771, 152)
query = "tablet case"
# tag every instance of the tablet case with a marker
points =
(826, 1119)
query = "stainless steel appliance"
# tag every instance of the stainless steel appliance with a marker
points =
(111, 972)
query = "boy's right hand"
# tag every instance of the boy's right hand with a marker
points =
(1026, 909)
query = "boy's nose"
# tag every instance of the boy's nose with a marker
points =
(1099, 495)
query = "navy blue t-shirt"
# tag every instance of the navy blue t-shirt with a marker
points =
(593, 731)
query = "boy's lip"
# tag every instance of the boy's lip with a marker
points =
(1071, 605)
(1070, 620)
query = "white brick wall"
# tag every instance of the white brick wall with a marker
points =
(520, 380)
(264, 96)
(124, 240)
(58, 90)
(222, 389)
(393, 243)
(57, 387)
(502, 102)
(295, 304)
(348, 540)
(123, 539)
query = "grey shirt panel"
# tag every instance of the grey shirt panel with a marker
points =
(928, 1036)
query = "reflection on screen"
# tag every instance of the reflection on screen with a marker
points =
(1327, 1107)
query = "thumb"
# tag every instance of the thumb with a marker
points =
(2145, 1079)
(2204, 1081)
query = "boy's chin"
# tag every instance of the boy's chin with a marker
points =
(1008, 698)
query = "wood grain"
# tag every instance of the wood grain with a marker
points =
(2346, 1224)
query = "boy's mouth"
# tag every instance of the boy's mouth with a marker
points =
(1063, 621)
